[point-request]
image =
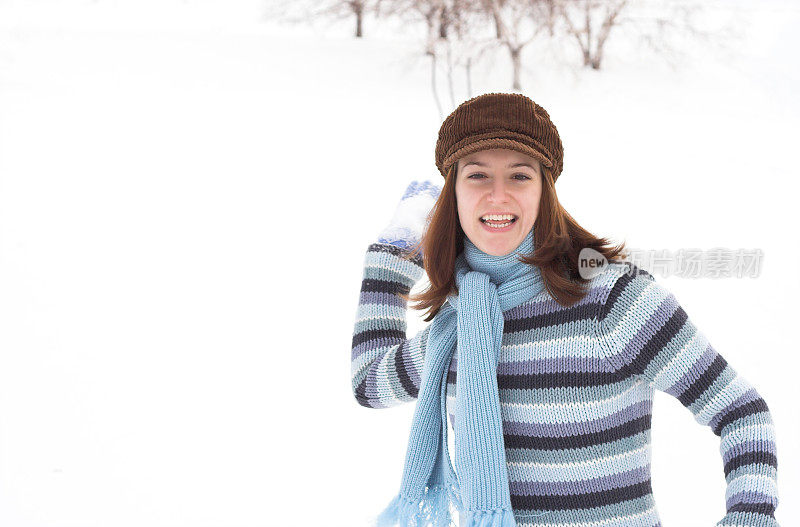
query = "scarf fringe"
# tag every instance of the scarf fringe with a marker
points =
(495, 518)
(430, 510)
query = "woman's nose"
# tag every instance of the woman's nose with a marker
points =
(499, 192)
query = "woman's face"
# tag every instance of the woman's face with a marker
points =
(498, 181)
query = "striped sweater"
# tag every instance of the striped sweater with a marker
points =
(576, 389)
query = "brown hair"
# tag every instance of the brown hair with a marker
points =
(557, 241)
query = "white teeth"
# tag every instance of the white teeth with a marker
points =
(500, 226)
(498, 217)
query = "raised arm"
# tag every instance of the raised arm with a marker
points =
(647, 333)
(385, 364)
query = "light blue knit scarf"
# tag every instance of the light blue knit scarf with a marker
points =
(471, 322)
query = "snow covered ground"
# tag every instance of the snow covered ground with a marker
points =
(186, 194)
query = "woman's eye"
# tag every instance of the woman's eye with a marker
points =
(524, 176)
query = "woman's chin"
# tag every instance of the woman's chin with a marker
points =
(495, 246)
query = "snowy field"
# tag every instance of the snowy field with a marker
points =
(186, 195)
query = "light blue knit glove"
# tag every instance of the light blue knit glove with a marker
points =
(411, 216)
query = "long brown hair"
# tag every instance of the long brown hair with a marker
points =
(557, 241)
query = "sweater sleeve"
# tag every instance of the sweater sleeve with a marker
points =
(385, 364)
(646, 333)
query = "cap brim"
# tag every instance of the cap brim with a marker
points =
(495, 142)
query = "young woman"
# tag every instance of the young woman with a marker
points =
(547, 374)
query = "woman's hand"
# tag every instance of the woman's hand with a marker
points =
(411, 216)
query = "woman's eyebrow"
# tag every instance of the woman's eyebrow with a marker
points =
(512, 165)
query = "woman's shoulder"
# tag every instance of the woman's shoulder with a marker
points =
(613, 278)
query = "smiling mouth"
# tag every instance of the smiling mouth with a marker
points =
(500, 226)
(498, 222)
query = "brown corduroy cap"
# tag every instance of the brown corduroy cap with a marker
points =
(499, 120)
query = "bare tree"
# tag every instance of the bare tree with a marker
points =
(663, 28)
(517, 23)
(590, 23)
(312, 10)
(451, 37)
(582, 17)
(464, 42)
